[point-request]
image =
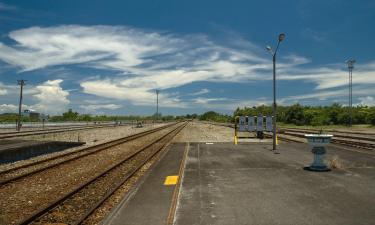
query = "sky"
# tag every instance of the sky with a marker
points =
(109, 57)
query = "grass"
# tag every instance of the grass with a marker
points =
(335, 163)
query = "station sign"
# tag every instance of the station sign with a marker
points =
(251, 123)
(242, 123)
(260, 123)
(269, 124)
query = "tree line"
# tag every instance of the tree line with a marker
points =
(296, 114)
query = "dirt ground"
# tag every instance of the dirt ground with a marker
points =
(202, 132)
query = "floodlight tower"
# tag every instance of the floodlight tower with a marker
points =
(273, 53)
(350, 63)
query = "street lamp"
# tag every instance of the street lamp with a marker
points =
(273, 53)
(350, 63)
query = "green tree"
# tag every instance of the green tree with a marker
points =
(70, 115)
(370, 117)
(295, 115)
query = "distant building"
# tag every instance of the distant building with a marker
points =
(34, 114)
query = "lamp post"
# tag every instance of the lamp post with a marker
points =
(273, 53)
(350, 63)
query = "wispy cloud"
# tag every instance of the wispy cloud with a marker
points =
(94, 108)
(331, 76)
(201, 100)
(200, 92)
(314, 35)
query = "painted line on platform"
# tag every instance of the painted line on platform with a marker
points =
(176, 192)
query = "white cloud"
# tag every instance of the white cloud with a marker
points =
(146, 60)
(331, 94)
(51, 97)
(113, 47)
(154, 60)
(368, 100)
(8, 108)
(47, 97)
(331, 77)
(3, 91)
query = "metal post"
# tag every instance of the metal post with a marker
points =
(21, 83)
(157, 105)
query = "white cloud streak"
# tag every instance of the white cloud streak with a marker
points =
(200, 92)
(94, 108)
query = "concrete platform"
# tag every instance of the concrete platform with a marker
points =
(249, 184)
(153, 199)
(14, 150)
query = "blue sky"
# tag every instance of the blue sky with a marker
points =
(110, 56)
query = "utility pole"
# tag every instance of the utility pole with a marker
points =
(350, 63)
(21, 83)
(157, 104)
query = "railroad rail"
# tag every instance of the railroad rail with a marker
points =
(347, 141)
(13, 134)
(15, 173)
(77, 205)
(122, 154)
(371, 134)
(349, 135)
(356, 141)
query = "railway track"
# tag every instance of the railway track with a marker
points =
(347, 141)
(76, 205)
(351, 139)
(371, 134)
(15, 173)
(15, 134)
(348, 135)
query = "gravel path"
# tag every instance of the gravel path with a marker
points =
(203, 132)
(91, 137)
